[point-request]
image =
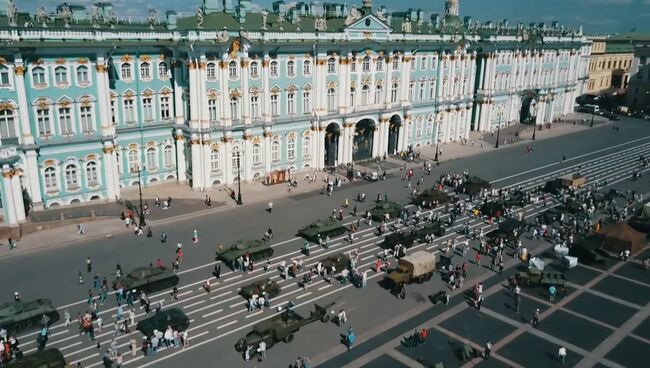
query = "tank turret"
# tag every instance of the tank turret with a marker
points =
(329, 227)
(393, 209)
(147, 279)
(256, 250)
(15, 316)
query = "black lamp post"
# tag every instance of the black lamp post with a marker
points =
(534, 130)
(437, 150)
(239, 181)
(498, 135)
(593, 113)
(142, 220)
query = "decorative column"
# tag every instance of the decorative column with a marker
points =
(19, 205)
(110, 169)
(202, 94)
(468, 120)
(316, 149)
(206, 162)
(383, 148)
(194, 98)
(405, 78)
(244, 99)
(179, 109)
(247, 152)
(267, 150)
(344, 85)
(320, 89)
(266, 92)
(103, 98)
(388, 81)
(228, 177)
(8, 204)
(225, 92)
(197, 169)
(181, 166)
(404, 133)
(32, 182)
(321, 144)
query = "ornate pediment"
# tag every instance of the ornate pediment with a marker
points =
(368, 27)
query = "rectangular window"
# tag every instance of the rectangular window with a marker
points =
(165, 112)
(234, 108)
(113, 113)
(85, 113)
(82, 75)
(274, 105)
(212, 110)
(147, 109)
(274, 69)
(255, 106)
(4, 76)
(129, 112)
(306, 104)
(43, 118)
(380, 64)
(65, 120)
(291, 103)
(411, 91)
(432, 90)
(61, 75)
(257, 154)
(353, 65)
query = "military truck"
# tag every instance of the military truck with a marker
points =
(535, 277)
(406, 238)
(281, 327)
(147, 280)
(256, 249)
(575, 180)
(393, 209)
(417, 267)
(174, 318)
(268, 286)
(329, 227)
(429, 196)
(50, 358)
(17, 316)
(473, 185)
(340, 261)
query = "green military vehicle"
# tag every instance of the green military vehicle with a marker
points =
(554, 187)
(435, 228)
(551, 216)
(50, 358)
(256, 249)
(16, 316)
(329, 227)
(406, 238)
(393, 209)
(429, 196)
(516, 199)
(535, 277)
(509, 230)
(281, 327)
(473, 185)
(268, 286)
(174, 318)
(340, 261)
(147, 280)
(493, 209)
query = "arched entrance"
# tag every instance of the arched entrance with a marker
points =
(362, 142)
(393, 134)
(332, 134)
(528, 112)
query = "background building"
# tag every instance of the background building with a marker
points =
(638, 96)
(91, 102)
(609, 68)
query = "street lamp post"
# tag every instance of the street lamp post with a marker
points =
(593, 113)
(437, 150)
(239, 181)
(142, 219)
(534, 130)
(498, 134)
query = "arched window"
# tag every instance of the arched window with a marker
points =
(306, 68)
(421, 91)
(411, 90)
(212, 110)
(257, 154)
(38, 76)
(254, 69)
(211, 71)
(366, 64)
(134, 161)
(61, 75)
(232, 69)
(145, 70)
(432, 89)
(429, 129)
(51, 183)
(152, 160)
(331, 99)
(71, 177)
(255, 106)
(168, 156)
(291, 68)
(215, 160)
(273, 69)
(331, 65)
(378, 92)
(7, 124)
(291, 149)
(365, 90)
(234, 108)
(82, 74)
(91, 173)
(394, 92)
(236, 159)
(275, 151)
(275, 104)
(163, 70)
(306, 147)
(4, 76)
(423, 63)
(125, 71)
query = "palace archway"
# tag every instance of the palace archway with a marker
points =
(332, 134)
(362, 142)
(393, 134)
(528, 112)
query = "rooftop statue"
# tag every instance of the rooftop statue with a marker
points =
(381, 13)
(265, 16)
(152, 18)
(298, 23)
(353, 16)
(65, 15)
(199, 18)
(41, 16)
(320, 24)
(112, 18)
(11, 13)
(406, 26)
(94, 17)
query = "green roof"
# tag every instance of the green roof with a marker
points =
(619, 48)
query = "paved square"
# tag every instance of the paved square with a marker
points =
(630, 352)
(581, 275)
(439, 348)
(643, 329)
(531, 351)
(624, 289)
(634, 271)
(644, 254)
(476, 326)
(542, 293)
(574, 329)
(491, 363)
(503, 303)
(385, 361)
(601, 309)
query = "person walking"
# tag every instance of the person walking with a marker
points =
(536, 318)
(562, 354)
(269, 207)
(350, 338)
(551, 293)
(89, 265)
(80, 229)
(195, 236)
(488, 349)
(66, 315)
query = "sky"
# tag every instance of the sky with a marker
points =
(596, 16)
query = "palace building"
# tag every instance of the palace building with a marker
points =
(91, 102)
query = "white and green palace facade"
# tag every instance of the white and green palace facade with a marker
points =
(91, 103)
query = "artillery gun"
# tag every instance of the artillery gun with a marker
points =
(256, 250)
(393, 209)
(281, 327)
(268, 286)
(321, 229)
(19, 315)
(147, 280)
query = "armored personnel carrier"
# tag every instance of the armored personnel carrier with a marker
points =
(435, 228)
(147, 279)
(339, 261)
(16, 316)
(431, 195)
(323, 228)
(161, 320)
(393, 209)
(405, 238)
(281, 327)
(268, 286)
(256, 250)
(50, 358)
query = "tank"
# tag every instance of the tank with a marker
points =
(405, 238)
(323, 228)
(473, 185)
(147, 279)
(174, 317)
(494, 209)
(339, 261)
(50, 358)
(382, 208)
(268, 286)
(16, 316)
(431, 195)
(435, 228)
(256, 249)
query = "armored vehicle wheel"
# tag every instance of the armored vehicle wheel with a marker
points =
(428, 277)
(288, 339)
(325, 318)
(420, 279)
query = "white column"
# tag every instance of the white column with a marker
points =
(179, 110)
(206, 163)
(345, 140)
(32, 182)
(405, 78)
(267, 151)
(197, 169)
(388, 83)
(468, 121)
(194, 98)
(202, 94)
(344, 84)
(246, 154)
(9, 207)
(109, 169)
(181, 167)
(321, 143)
(479, 117)
(228, 177)
(404, 133)
(103, 98)
(320, 88)
(244, 100)
(350, 129)
(19, 205)
(375, 141)
(383, 148)
(225, 93)
(25, 135)
(266, 92)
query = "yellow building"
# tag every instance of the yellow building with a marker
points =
(609, 68)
